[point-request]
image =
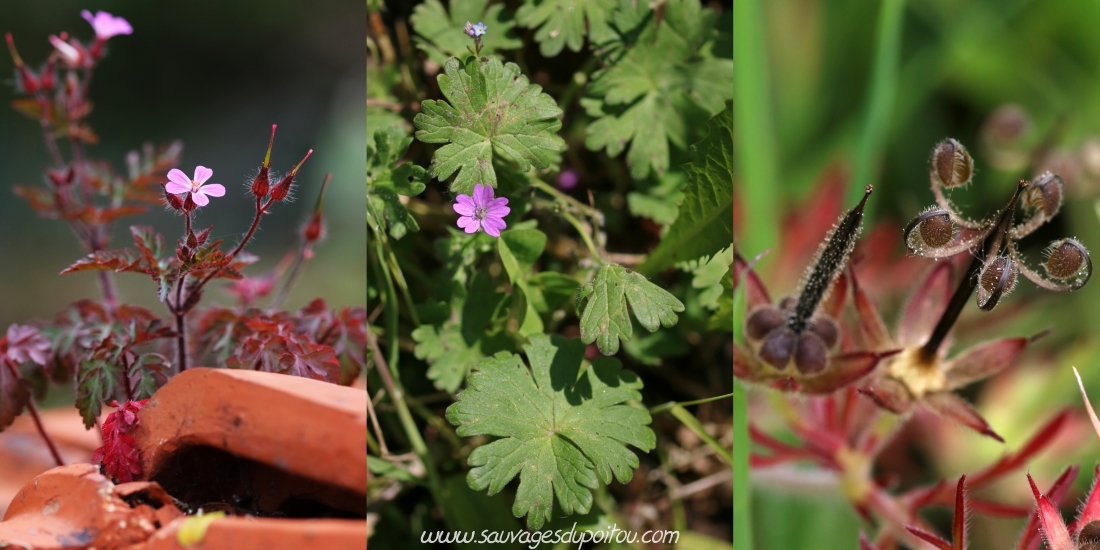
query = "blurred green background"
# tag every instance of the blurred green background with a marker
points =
(958, 61)
(215, 75)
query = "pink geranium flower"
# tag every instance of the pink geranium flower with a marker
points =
(106, 25)
(180, 184)
(482, 211)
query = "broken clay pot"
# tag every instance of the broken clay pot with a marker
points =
(284, 457)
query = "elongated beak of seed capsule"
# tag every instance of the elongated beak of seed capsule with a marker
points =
(282, 189)
(262, 184)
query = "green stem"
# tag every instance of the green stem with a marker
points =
(742, 491)
(584, 235)
(662, 408)
(397, 392)
(884, 84)
(693, 424)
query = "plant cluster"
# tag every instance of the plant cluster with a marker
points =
(543, 256)
(116, 352)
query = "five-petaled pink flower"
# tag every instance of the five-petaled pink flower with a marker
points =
(482, 211)
(106, 25)
(179, 184)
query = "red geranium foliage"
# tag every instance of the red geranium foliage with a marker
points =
(119, 454)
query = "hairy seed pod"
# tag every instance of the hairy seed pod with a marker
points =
(996, 279)
(1089, 534)
(932, 229)
(762, 321)
(810, 355)
(825, 329)
(1067, 259)
(1006, 125)
(1045, 193)
(778, 347)
(950, 166)
(829, 261)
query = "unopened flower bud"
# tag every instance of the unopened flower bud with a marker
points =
(282, 189)
(950, 165)
(1045, 193)
(261, 185)
(173, 200)
(47, 76)
(61, 178)
(315, 228)
(27, 81)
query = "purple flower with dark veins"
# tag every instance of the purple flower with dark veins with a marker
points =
(482, 211)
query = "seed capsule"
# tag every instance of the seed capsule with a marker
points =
(810, 354)
(996, 279)
(778, 348)
(1065, 258)
(825, 329)
(763, 321)
(950, 166)
(1045, 193)
(930, 230)
(1089, 534)
(1006, 126)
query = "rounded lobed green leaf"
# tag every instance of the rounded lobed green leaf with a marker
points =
(491, 114)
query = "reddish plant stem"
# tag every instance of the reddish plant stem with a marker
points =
(126, 377)
(179, 312)
(38, 421)
(260, 211)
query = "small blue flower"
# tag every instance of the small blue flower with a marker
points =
(479, 29)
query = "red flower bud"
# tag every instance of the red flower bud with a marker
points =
(315, 228)
(262, 184)
(60, 178)
(173, 200)
(27, 81)
(47, 75)
(282, 189)
(96, 51)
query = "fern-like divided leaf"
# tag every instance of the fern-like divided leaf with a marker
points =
(385, 181)
(605, 319)
(563, 431)
(491, 113)
(661, 84)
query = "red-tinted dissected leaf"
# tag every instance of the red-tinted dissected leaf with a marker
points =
(24, 343)
(119, 454)
(1054, 528)
(41, 200)
(119, 261)
(149, 243)
(92, 215)
(14, 394)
